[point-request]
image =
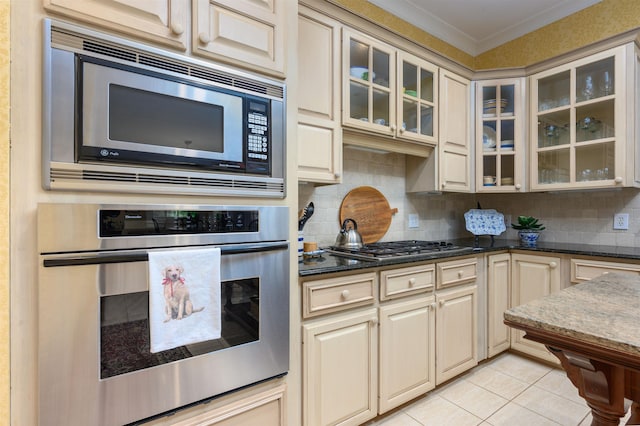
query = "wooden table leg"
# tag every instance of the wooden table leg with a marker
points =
(602, 385)
(632, 392)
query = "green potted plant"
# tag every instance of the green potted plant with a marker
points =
(528, 230)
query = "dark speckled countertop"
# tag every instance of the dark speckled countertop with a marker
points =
(328, 263)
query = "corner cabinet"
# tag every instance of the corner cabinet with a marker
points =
(388, 92)
(162, 21)
(499, 300)
(319, 126)
(500, 135)
(582, 122)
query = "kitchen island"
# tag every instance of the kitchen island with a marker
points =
(593, 328)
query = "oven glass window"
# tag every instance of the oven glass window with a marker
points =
(156, 119)
(124, 328)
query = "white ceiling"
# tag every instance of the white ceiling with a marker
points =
(476, 26)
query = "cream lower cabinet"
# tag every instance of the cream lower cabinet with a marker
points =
(499, 300)
(456, 328)
(160, 21)
(340, 362)
(407, 351)
(533, 276)
(587, 269)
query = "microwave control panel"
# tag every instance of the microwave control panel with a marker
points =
(258, 131)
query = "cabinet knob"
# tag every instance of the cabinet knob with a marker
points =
(460, 274)
(204, 38)
(393, 127)
(345, 294)
(518, 187)
(432, 306)
(618, 179)
(177, 29)
(373, 321)
(441, 303)
(553, 265)
(412, 282)
(337, 175)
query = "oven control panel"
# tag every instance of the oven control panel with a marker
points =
(120, 223)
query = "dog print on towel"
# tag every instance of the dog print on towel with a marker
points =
(177, 300)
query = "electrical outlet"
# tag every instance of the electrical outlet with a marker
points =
(414, 221)
(621, 221)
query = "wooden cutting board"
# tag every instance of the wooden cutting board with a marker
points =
(370, 210)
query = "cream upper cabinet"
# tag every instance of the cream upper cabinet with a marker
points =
(500, 135)
(388, 92)
(250, 33)
(454, 146)
(340, 364)
(319, 126)
(499, 300)
(160, 21)
(533, 277)
(407, 351)
(582, 122)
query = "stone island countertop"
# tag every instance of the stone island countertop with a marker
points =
(604, 312)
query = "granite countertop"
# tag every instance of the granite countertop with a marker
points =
(328, 263)
(604, 311)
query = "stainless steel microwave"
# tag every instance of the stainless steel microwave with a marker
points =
(122, 116)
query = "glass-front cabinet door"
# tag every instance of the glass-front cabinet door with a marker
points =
(500, 135)
(417, 99)
(578, 131)
(369, 89)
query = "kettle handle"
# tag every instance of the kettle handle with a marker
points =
(344, 224)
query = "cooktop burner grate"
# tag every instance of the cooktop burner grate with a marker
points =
(397, 249)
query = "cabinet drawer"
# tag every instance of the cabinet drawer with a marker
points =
(584, 270)
(401, 282)
(457, 272)
(336, 294)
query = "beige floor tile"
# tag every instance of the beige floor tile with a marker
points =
(516, 415)
(557, 382)
(437, 411)
(473, 398)
(501, 384)
(521, 368)
(396, 419)
(551, 406)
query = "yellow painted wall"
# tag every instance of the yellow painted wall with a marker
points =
(598, 22)
(595, 23)
(4, 211)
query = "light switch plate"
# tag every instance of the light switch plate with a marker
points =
(621, 221)
(414, 221)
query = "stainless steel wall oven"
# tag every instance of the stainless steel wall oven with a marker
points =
(95, 365)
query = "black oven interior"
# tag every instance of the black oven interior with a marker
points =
(124, 328)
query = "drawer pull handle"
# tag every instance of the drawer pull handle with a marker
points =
(345, 294)
(412, 282)
(460, 274)
(553, 265)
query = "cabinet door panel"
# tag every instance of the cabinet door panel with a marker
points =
(339, 364)
(456, 332)
(533, 277)
(162, 21)
(407, 351)
(246, 32)
(499, 294)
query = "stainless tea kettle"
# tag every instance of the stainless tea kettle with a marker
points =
(351, 238)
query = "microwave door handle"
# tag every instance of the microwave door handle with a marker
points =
(144, 256)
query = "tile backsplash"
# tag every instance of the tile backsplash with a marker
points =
(580, 217)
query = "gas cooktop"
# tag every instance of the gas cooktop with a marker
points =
(397, 249)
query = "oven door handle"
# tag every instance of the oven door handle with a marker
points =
(99, 259)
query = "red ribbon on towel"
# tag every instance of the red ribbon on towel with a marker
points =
(169, 281)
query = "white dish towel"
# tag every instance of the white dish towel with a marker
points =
(184, 297)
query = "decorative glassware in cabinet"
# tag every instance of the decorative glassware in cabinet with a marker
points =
(417, 100)
(360, 77)
(595, 80)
